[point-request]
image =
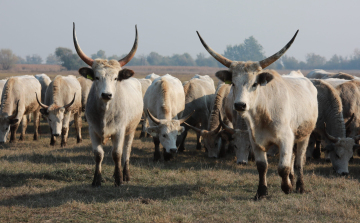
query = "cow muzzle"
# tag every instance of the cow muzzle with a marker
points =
(240, 106)
(106, 96)
(173, 151)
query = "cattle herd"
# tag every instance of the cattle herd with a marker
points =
(253, 111)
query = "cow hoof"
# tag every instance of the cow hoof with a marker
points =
(12, 141)
(300, 187)
(79, 140)
(142, 135)
(63, 144)
(21, 138)
(198, 147)
(97, 180)
(167, 156)
(157, 156)
(181, 149)
(286, 188)
(35, 137)
(261, 193)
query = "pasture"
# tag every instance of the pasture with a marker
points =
(43, 183)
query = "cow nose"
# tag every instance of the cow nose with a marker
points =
(106, 96)
(173, 150)
(344, 173)
(240, 106)
(56, 134)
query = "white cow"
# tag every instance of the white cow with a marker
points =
(164, 103)
(18, 100)
(44, 81)
(62, 100)
(152, 76)
(113, 109)
(145, 83)
(277, 109)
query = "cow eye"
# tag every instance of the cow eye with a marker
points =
(116, 78)
(6, 128)
(164, 136)
(337, 156)
(97, 78)
(254, 85)
(49, 119)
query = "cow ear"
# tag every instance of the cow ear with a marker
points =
(44, 111)
(87, 73)
(125, 74)
(13, 121)
(225, 76)
(153, 131)
(264, 78)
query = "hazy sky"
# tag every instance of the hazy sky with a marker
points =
(169, 27)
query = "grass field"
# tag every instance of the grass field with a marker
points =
(41, 183)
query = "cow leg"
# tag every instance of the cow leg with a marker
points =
(182, 138)
(53, 138)
(78, 125)
(13, 130)
(198, 141)
(143, 132)
(36, 115)
(99, 156)
(262, 167)
(126, 155)
(299, 164)
(65, 129)
(24, 123)
(285, 162)
(117, 152)
(157, 154)
(317, 150)
(64, 136)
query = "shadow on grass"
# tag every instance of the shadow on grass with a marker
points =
(130, 193)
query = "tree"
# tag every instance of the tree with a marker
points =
(203, 61)
(34, 59)
(52, 59)
(20, 60)
(314, 61)
(69, 60)
(249, 50)
(290, 63)
(100, 54)
(7, 59)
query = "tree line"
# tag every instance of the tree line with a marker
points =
(250, 49)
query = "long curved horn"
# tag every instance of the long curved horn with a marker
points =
(266, 62)
(226, 128)
(81, 54)
(223, 60)
(72, 102)
(155, 120)
(194, 128)
(128, 57)
(16, 111)
(183, 119)
(330, 137)
(41, 104)
(347, 124)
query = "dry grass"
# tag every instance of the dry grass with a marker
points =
(40, 183)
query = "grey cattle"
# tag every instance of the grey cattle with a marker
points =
(322, 74)
(145, 83)
(164, 103)
(152, 76)
(62, 100)
(85, 89)
(277, 109)
(199, 96)
(113, 109)
(44, 81)
(330, 110)
(18, 100)
(214, 140)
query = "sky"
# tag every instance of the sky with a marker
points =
(168, 27)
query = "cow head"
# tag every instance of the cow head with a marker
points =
(211, 139)
(241, 142)
(105, 74)
(7, 121)
(246, 77)
(167, 131)
(55, 115)
(340, 151)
